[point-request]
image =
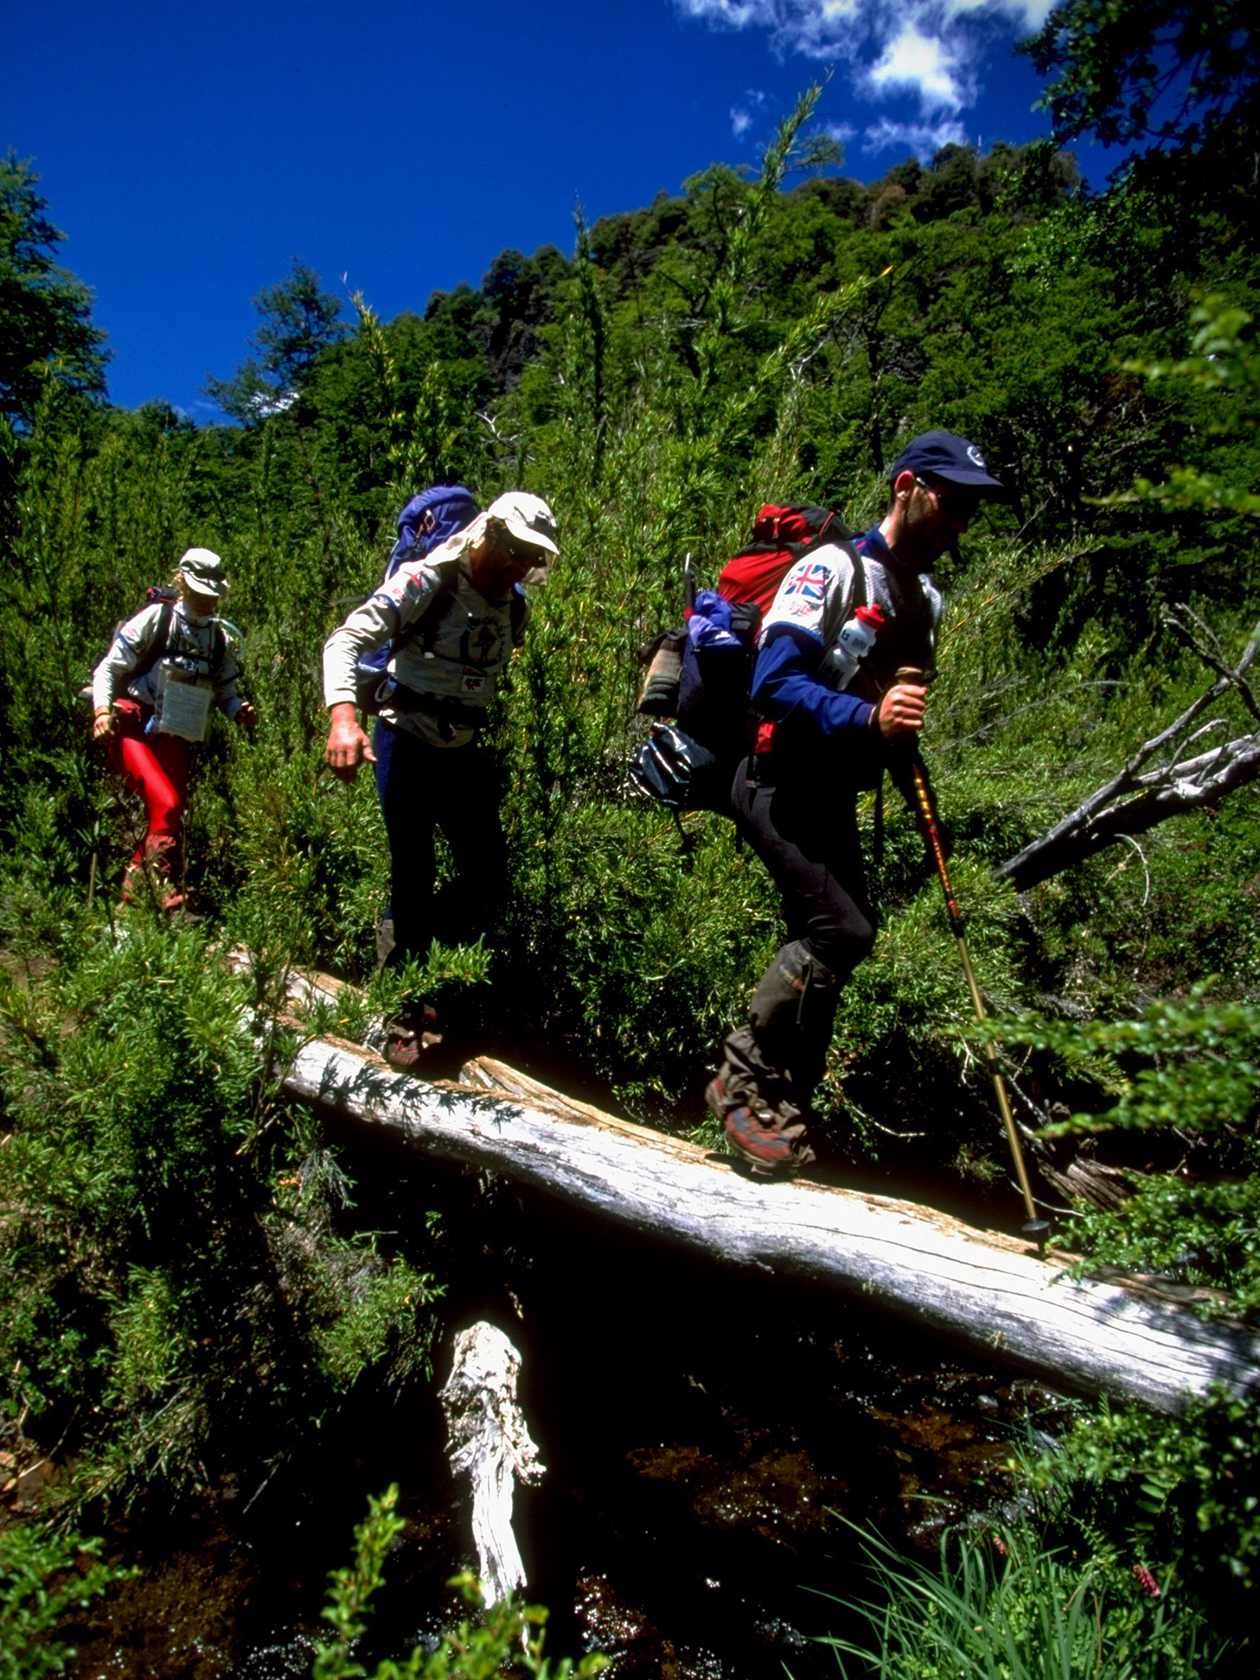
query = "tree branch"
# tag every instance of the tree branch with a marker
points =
(1172, 789)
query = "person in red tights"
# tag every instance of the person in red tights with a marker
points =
(151, 696)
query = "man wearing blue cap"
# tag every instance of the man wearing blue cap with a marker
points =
(833, 733)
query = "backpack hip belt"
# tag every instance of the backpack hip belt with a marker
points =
(449, 714)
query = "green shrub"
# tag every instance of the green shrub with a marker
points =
(174, 1286)
(506, 1639)
(1000, 1605)
(43, 1578)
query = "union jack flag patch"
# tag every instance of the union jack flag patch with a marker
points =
(809, 581)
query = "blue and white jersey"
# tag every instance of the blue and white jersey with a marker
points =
(814, 603)
(817, 599)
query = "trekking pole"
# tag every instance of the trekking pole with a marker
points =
(1034, 1228)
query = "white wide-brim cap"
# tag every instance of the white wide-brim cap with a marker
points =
(204, 571)
(528, 519)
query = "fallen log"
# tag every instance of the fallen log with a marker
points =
(985, 1290)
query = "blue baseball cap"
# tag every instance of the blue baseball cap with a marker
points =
(948, 456)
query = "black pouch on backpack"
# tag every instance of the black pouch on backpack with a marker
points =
(679, 773)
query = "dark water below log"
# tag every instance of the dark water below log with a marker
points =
(703, 1434)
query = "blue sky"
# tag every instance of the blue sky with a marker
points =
(190, 153)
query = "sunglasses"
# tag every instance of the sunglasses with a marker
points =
(950, 498)
(523, 556)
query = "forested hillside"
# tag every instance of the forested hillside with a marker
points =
(184, 1286)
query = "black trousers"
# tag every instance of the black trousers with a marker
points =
(422, 789)
(804, 829)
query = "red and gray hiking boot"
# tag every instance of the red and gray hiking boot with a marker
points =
(771, 1147)
(147, 880)
(409, 1035)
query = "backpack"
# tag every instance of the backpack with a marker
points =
(426, 522)
(689, 766)
(167, 595)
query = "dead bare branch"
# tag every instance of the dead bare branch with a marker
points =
(1199, 636)
(1138, 798)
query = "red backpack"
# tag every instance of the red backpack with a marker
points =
(780, 536)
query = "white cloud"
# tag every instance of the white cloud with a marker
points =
(929, 47)
(742, 115)
(924, 64)
(923, 139)
(1024, 14)
(841, 132)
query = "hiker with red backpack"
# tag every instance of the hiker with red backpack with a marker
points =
(451, 620)
(151, 697)
(837, 715)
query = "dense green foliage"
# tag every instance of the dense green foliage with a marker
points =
(506, 1639)
(180, 1280)
(173, 1287)
(42, 1578)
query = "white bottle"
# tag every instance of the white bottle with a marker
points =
(852, 645)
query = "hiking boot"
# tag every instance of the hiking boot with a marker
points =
(149, 882)
(409, 1035)
(770, 1145)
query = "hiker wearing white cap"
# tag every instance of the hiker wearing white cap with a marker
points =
(151, 697)
(431, 772)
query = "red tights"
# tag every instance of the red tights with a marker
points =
(156, 767)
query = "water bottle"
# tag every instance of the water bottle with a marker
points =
(853, 644)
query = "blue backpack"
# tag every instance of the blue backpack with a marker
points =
(423, 525)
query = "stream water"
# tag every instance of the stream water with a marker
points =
(705, 1435)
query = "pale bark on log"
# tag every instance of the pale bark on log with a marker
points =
(977, 1287)
(489, 1441)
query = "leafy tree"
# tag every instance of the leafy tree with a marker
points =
(1169, 75)
(299, 321)
(46, 331)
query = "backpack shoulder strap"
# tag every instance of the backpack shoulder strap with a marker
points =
(160, 643)
(427, 625)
